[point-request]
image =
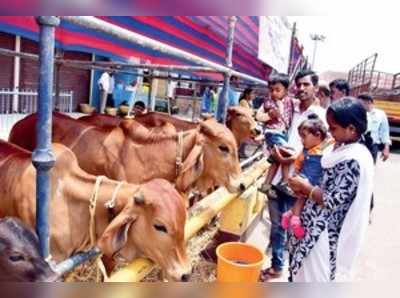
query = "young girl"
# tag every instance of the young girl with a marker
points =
(335, 215)
(313, 133)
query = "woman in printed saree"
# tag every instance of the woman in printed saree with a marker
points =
(335, 215)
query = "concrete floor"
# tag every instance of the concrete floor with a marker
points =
(380, 253)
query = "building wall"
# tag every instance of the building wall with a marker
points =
(29, 72)
(7, 41)
(77, 80)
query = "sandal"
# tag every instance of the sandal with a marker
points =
(286, 219)
(297, 228)
(270, 273)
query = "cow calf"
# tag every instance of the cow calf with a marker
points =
(19, 254)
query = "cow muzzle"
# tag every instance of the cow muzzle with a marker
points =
(179, 275)
(234, 185)
(256, 131)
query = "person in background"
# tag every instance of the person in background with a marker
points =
(139, 108)
(378, 127)
(206, 100)
(132, 88)
(171, 89)
(246, 99)
(214, 98)
(324, 95)
(233, 97)
(339, 88)
(106, 86)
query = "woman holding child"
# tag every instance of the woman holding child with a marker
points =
(331, 213)
(335, 214)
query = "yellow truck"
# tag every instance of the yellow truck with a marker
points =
(391, 105)
(384, 87)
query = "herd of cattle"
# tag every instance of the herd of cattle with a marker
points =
(160, 160)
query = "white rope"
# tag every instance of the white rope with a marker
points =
(179, 153)
(111, 203)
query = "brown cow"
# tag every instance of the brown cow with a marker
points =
(242, 124)
(240, 121)
(146, 220)
(137, 154)
(19, 254)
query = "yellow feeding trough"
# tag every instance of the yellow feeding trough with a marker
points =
(238, 262)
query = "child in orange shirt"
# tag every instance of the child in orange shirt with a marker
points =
(314, 135)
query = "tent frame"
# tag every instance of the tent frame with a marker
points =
(43, 157)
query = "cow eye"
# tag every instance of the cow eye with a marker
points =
(238, 115)
(16, 258)
(223, 148)
(161, 228)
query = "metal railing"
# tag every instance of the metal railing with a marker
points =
(396, 81)
(381, 80)
(362, 73)
(42, 156)
(24, 101)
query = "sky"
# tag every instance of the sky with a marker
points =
(350, 39)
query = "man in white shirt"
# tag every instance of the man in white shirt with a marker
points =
(278, 203)
(106, 86)
(378, 126)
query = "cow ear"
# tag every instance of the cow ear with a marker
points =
(206, 127)
(191, 169)
(115, 235)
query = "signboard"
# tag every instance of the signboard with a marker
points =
(274, 42)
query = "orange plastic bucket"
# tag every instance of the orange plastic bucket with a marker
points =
(238, 262)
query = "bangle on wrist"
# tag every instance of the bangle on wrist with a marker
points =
(312, 192)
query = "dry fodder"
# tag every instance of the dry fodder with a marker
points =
(203, 271)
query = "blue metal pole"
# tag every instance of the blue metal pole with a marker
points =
(223, 99)
(76, 260)
(42, 156)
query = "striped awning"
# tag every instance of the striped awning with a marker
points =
(204, 36)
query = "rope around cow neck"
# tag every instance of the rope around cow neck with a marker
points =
(179, 153)
(101, 270)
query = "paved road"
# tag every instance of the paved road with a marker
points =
(380, 256)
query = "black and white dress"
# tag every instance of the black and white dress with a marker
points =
(335, 230)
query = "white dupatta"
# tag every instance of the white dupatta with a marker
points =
(356, 221)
